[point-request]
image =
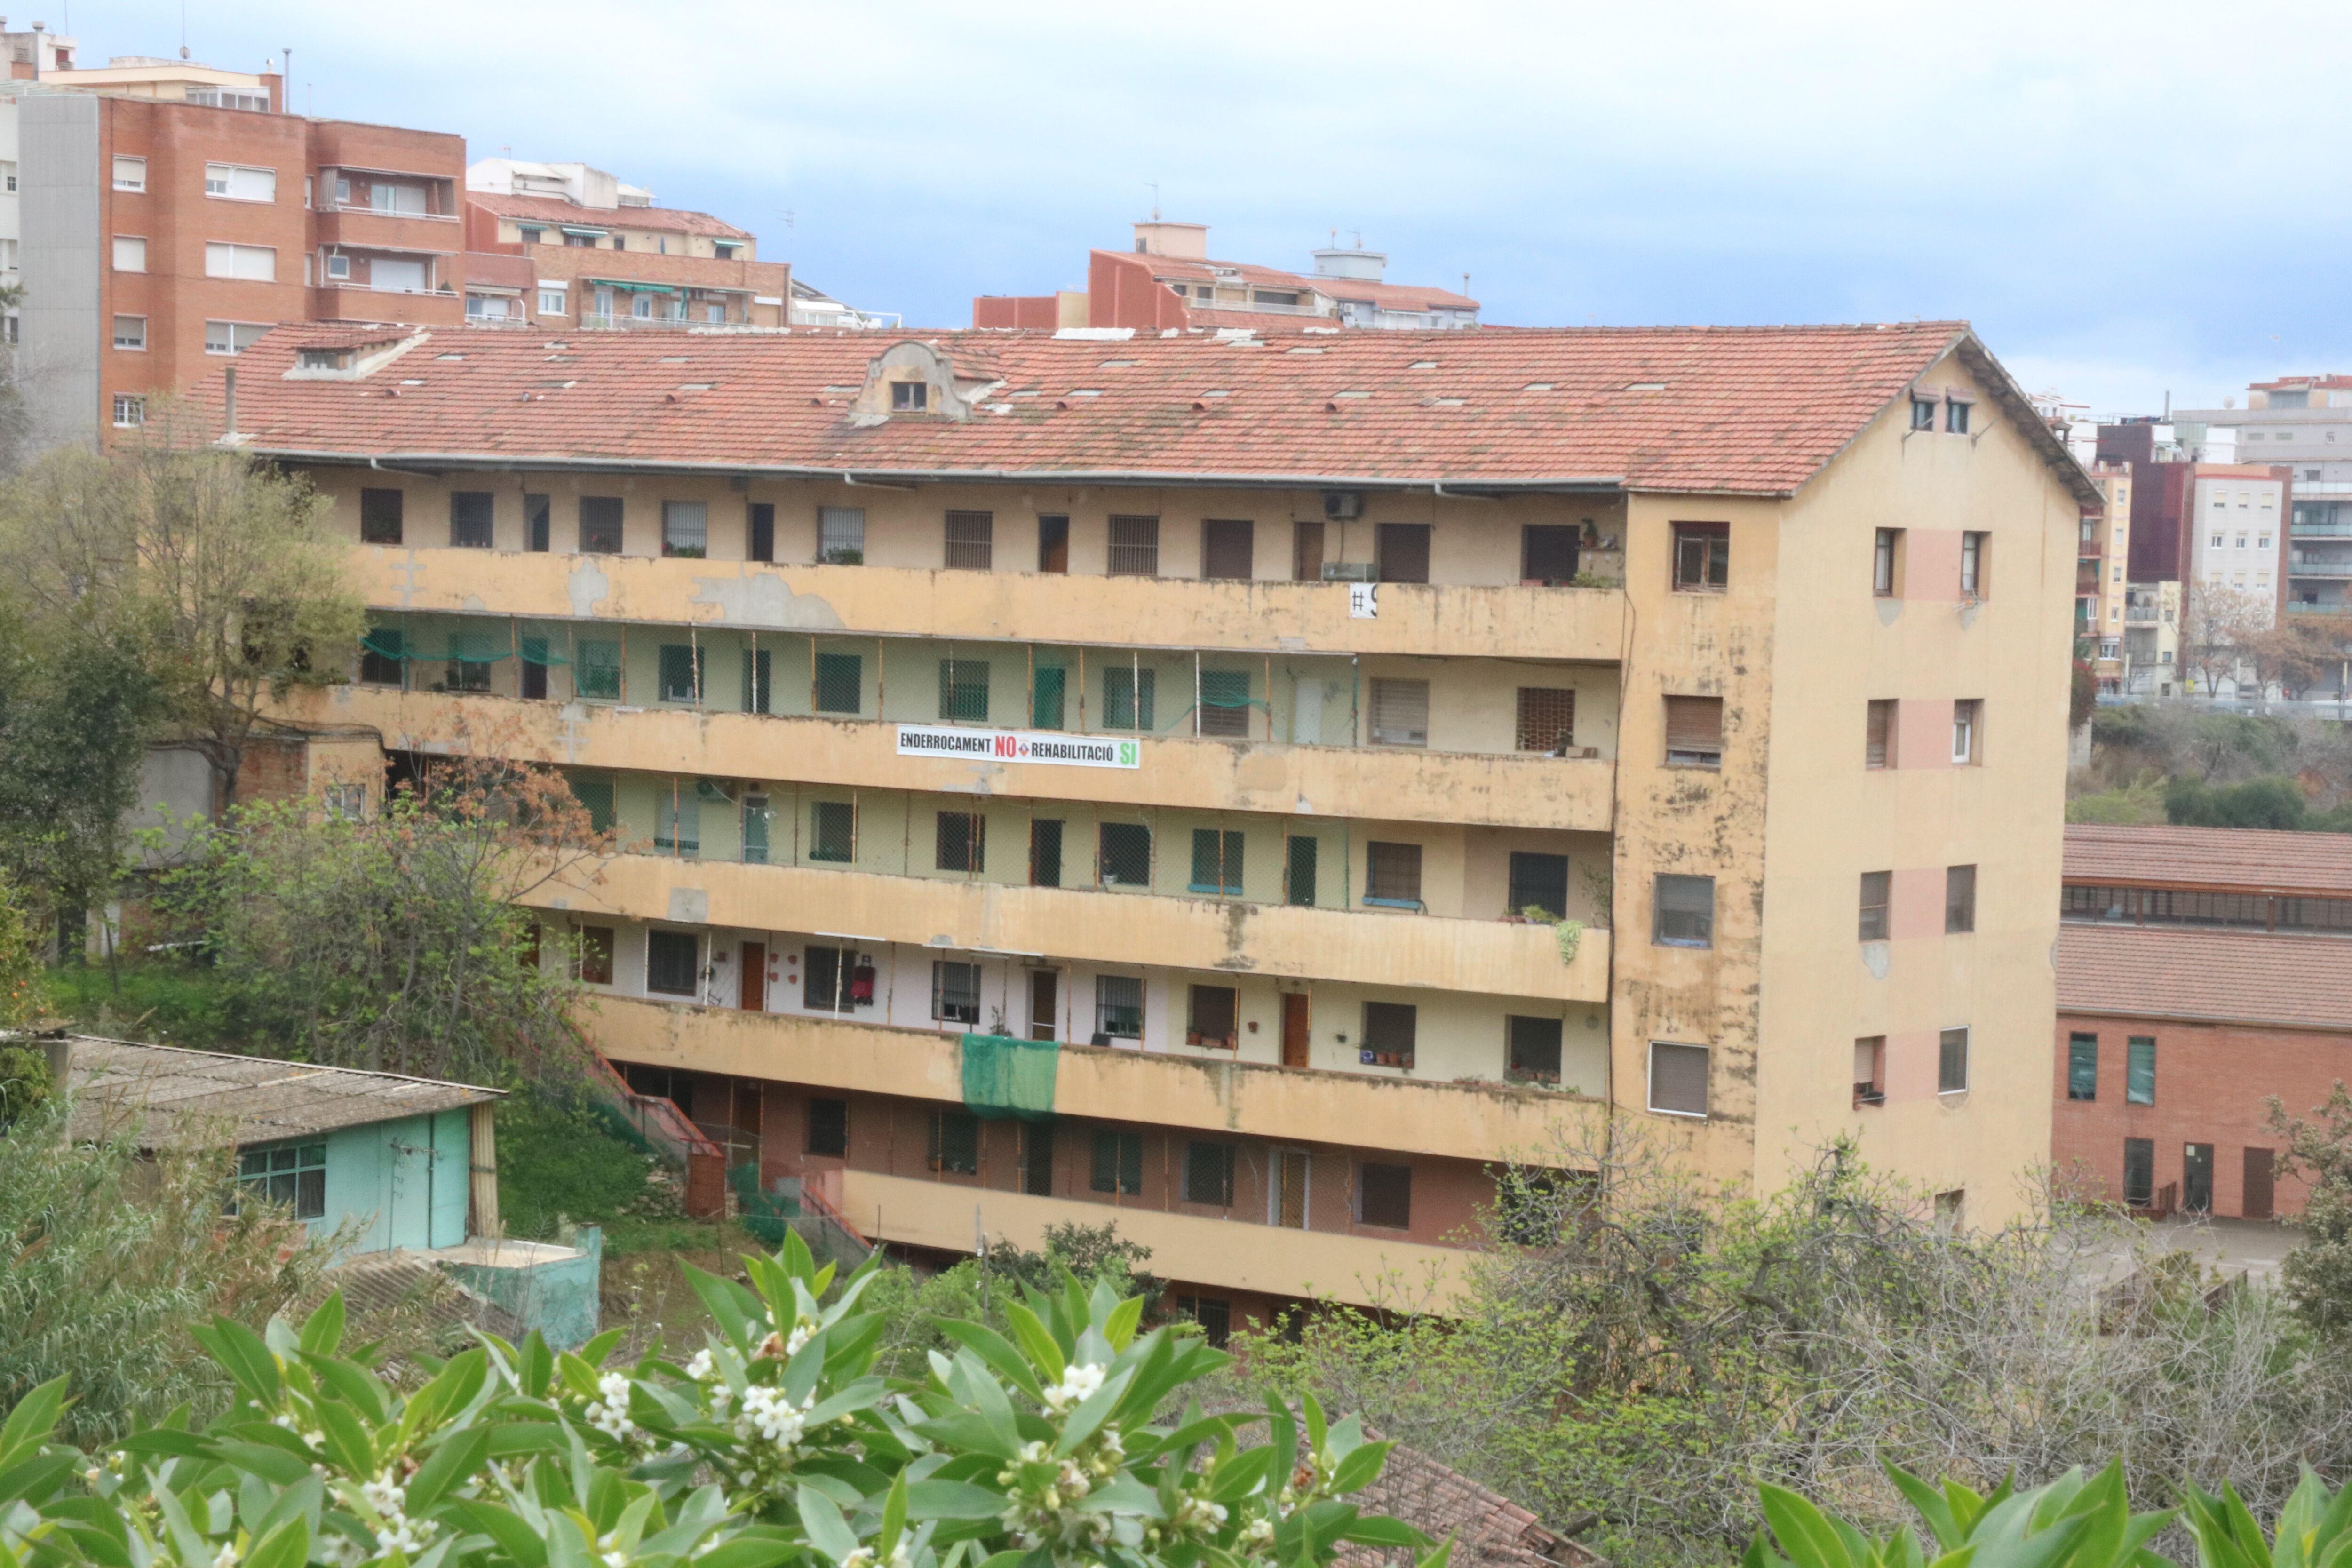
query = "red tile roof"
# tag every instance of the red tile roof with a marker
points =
(2236, 858)
(2176, 972)
(1736, 410)
(1392, 296)
(1488, 1530)
(555, 210)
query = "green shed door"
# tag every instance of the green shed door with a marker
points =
(453, 1160)
(408, 1157)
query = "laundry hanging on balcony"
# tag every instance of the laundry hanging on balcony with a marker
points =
(1005, 1077)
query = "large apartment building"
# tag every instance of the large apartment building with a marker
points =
(1197, 746)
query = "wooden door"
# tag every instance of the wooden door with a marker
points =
(755, 977)
(2256, 1203)
(1294, 1028)
(1288, 1206)
(1043, 991)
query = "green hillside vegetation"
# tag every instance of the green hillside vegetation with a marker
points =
(2159, 763)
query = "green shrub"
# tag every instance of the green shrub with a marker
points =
(2274, 803)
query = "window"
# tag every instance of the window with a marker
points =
(232, 337)
(1390, 1029)
(1228, 549)
(597, 668)
(538, 513)
(131, 333)
(470, 658)
(909, 397)
(1883, 559)
(1401, 551)
(1952, 1062)
(1393, 874)
(1960, 899)
(1045, 852)
(678, 819)
(1923, 414)
(1965, 716)
(955, 992)
(1975, 556)
(672, 961)
(600, 526)
(1875, 886)
(1547, 554)
(1870, 1070)
(2139, 1070)
(834, 982)
(128, 410)
(840, 535)
(1118, 1163)
(641, 306)
(1547, 719)
(1677, 1078)
(594, 964)
(833, 831)
(1214, 1018)
(2139, 1171)
(1225, 703)
(955, 1142)
(469, 520)
(595, 794)
(760, 531)
(1134, 547)
(1956, 416)
(1531, 1050)
(1400, 712)
(680, 667)
(971, 540)
(828, 1128)
(551, 303)
(1119, 1007)
(963, 691)
(258, 263)
(1538, 882)
(1298, 872)
(237, 183)
(840, 682)
(1126, 697)
(1053, 543)
(1685, 916)
(1702, 557)
(1126, 854)
(130, 175)
(2082, 1066)
(1048, 686)
(383, 657)
(339, 266)
(686, 529)
(1306, 551)
(1036, 1156)
(384, 196)
(960, 842)
(130, 254)
(292, 1176)
(1694, 731)
(1215, 1318)
(1384, 1196)
(1217, 862)
(1878, 735)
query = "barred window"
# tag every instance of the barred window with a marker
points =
(1213, 1014)
(1400, 712)
(833, 831)
(596, 671)
(963, 842)
(1126, 699)
(1208, 1173)
(955, 1142)
(840, 682)
(1393, 873)
(380, 517)
(1225, 702)
(673, 959)
(1384, 1196)
(1125, 855)
(1217, 862)
(1118, 1007)
(681, 670)
(1391, 1032)
(840, 535)
(469, 519)
(971, 540)
(1548, 718)
(955, 992)
(963, 691)
(1135, 547)
(1118, 1163)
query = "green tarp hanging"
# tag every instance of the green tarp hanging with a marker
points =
(1005, 1077)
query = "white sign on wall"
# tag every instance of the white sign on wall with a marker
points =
(1017, 746)
(1363, 601)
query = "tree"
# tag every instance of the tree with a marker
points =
(2318, 1274)
(2219, 627)
(218, 569)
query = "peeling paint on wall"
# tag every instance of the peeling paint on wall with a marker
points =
(766, 599)
(588, 586)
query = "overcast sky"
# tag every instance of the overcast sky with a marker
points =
(2126, 199)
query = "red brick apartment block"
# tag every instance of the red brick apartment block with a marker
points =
(2200, 972)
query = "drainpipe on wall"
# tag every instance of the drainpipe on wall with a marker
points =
(228, 415)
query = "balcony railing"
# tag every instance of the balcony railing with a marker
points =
(2320, 566)
(2327, 607)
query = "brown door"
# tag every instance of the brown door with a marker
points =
(1403, 551)
(1289, 1206)
(755, 976)
(1306, 551)
(1053, 544)
(1042, 990)
(1294, 1028)
(2257, 1202)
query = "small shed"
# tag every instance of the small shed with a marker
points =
(412, 1162)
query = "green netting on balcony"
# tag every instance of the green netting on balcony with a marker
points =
(1005, 1077)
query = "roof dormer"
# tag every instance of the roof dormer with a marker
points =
(913, 380)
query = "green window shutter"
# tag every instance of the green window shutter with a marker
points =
(1046, 699)
(682, 668)
(1298, 887)
(1122, 709)
(595, 791)
(1217, 862)
(840, 682)
(598, 671)
(963, 691)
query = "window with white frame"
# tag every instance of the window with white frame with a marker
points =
(232, 337)
(1967, 717)
(240, 182)
(129, 253)
(130, 175)
(131, 333)
(129, 411)
(550, 300)
(256, 263)
(339, 266)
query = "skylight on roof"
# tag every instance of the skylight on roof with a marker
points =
(1537, 386)
(448, 356)
(675, 359)
(1447, 402)
(697, 385)
(1302, 349)
(841, 389)
(1646, 386)
(411, 384)
(1084, 392)
(1422, 364)
(1118, 364)
(1351, 394)
(1218, 392)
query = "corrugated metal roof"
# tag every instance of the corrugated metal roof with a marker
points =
(174, 1094)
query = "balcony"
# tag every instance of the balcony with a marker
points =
(1257, 617)
(349, 302)
(1457, 1120)
(2327, 607)
(364, 228)
(1361, 947)
(2320, 566)
(2302, 530)
(1376, 784)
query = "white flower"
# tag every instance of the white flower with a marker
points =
(799, 1337)
(227, 1555)
(1076, 1384)
(384, 1495)
(769, 1412)
(701, 1366)
(614, 1387)
(1258, 1532)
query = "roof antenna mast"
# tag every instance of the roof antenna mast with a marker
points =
(1155, 199)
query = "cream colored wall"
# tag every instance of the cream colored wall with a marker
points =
(1834, 649)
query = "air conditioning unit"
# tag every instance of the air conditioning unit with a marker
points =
(1347, 570)
(1343, 506)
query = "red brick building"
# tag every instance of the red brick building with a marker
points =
(2200, 972)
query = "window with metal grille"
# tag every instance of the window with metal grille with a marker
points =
(963, 842)
(1037, 1159)
(1694, 731)
(1403, 549)
(1215, 1318)
(470, 657)
(1548, 553)
(597, 668)
(963, 691)
(1045, 853)
(1135, 547)
(1217, 862)
(1227, 548)
(1393, 874)
(840, 682)
(469, 520)
(681, 670)
(2082, 1066)
(1702, 557)
(833, 831)
(840, 535)
(1117, 1165)
(971, 540)
(1125, 855)
(757, 665)
(595, 793)
(678, 819)
(955, 992)
(380, 517)
(955, 1142)
(1875, 889)
(293, 1176)
(383, 657)
(1677, 1078)
(1212, 1017)
(1400, 712)
(1685, 912)
(1298, 872)
(673, 959)
(1538, 882)
(1208, 1173)
(1390, 1032)
(1225, 702)
(600, 526)
(1546, 719)
(1384, 1196)
(1878, 735)
(2140, 1069)
(827, 979)
(828, 1128)
(1959, 898)
(686, 529)
(1128, 699)
(592, 955)
(1118, 1007)
(1291, 1171)
(1532, 1050)
(1952, 1062)
(755, 829)
(1048, 685)
(2139, 1171)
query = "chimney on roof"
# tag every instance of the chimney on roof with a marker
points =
(1179, 241)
